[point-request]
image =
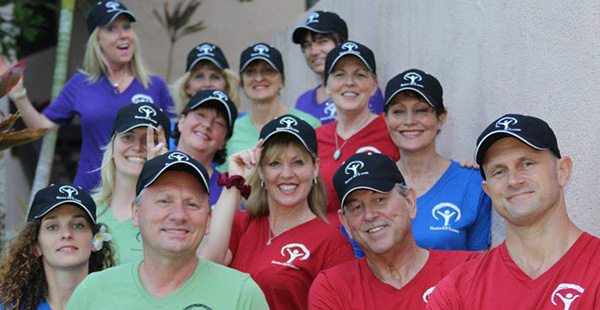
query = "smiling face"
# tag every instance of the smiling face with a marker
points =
(203, 130)
(412, 122)
(315, 48)
(525, 185)
(117, 41)
(351, 85)
(261, 81)
(173, 216)
(129, 152)
(65, 238)
(379, 221)
(288, 175)
(205, 75)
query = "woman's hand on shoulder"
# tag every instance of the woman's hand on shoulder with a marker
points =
(468, 164)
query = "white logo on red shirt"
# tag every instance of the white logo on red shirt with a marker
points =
(292, 252)
(446, 211)
(427, 293)
(568, 298)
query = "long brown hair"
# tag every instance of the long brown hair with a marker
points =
(22, 279)
(257, 202)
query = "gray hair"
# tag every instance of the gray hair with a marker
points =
(138, 199)
(401, 188)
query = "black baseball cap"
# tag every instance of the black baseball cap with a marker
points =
(175, 160)
(350, 48)
(321, 22)
(419, 81)
(55, 195)
(291, 124)
(209, 95)
(206, 51)
(530, 130)
(372, 171)
(141, 114)
(104, 13)
(262, 51)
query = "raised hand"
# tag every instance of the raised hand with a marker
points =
(245, 162)
(154, 149)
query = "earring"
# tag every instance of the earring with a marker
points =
(262, 183)
(315, 181)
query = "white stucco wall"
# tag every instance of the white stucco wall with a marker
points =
(492, 57)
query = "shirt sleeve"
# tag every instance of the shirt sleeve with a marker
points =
(444, 297)
(340, 253)
(320, 296)
(62, 109)
(165, 101)
(241, 220)
(78, 300)
(252, 297)
(479, 235)
(376, 102)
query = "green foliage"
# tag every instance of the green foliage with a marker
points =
(23, 23)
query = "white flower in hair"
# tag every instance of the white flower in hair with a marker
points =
(100, 237)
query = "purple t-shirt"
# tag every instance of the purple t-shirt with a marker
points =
(213, 187)
(325, 111)
(97, 105)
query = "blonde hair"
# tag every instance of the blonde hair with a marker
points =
(276, 145)
(179, 87)
(105, 190)
(94, 64)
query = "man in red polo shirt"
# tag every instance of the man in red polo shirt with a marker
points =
(377, 208)
(546, 261)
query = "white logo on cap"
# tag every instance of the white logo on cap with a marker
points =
(352, 168)
(506, 122)
(219, 95)
(261, 50)
(148, 112)
(293, 251)
(205, 49)
(113, 6)
(288, 122)
(313, 18)
(69, 190)
(178, 156)
(427, 293)
(568, 298)
(138, 98)
(413, 77)
(350, 47)
(446, 210)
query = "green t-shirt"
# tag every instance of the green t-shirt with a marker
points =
(211, 286)
(245, 135)
(126, 239)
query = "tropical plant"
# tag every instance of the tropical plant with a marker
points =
(23, 23)
(176, 23)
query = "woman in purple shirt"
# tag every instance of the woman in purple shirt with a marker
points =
(321, 32)
(113, 75)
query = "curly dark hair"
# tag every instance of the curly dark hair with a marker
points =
(221, 155)
(22, 279)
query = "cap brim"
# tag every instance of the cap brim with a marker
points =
(75, 202)
(134, 127)
(289, 132)
(214, 61)
(298, 32)
(349, 54)
(242, 68)
(362, 187)
(229, 116)
(190, 165)
(112, 19)
(413, 89)
(494, 136)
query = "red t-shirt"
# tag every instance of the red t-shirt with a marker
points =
(353, 285)
(373, 138)
(496, 282)
(286, 268)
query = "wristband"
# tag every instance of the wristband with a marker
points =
(16, 95)
(235, 181)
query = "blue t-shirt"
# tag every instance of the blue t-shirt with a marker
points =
(325, 111)
(97, 105)
(455, 213)
(42, 306)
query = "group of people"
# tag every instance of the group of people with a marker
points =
(342, 202)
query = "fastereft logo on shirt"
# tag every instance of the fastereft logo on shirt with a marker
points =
(566, 294)
(197, 307)
(448, 213)
(292, 251)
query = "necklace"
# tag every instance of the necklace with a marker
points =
(115, 85)
(272, 234)
(338, 148)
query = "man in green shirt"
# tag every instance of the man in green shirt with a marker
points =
(173, 214)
